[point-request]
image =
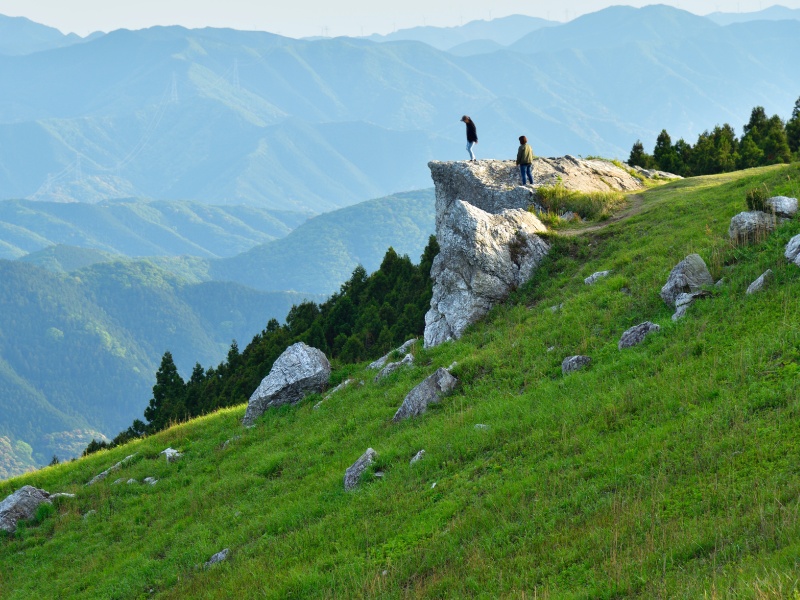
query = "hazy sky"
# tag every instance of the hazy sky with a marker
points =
(299, 18)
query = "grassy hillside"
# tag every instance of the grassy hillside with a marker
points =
(666, 470)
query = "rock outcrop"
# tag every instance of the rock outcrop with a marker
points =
(761, 283)
(489, 242)
(792, 252)
(427, 392)
(21, 505)
(378, 364)
(299, 371)
(353, 473)
(636, 334)
(688, 276)
(171, 455)
(574, 363)
(111, 469)
(783, 206)
(591, 279)
(684, 301)
(217, 558)
(408, 360)
(749, 227)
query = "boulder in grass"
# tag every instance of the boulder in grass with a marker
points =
(591, 279)
(217, 558)
(688, 276)
(636, 334)
(171, 455)
(574, 363)
(792, 252)
(761, 283)
(427, 392)
(753, 226)
(353, 473)
(111, 469)
(783, 206)
(299, 371)
(392, 367)
(417, 457)
(21, 505)
(379, 364)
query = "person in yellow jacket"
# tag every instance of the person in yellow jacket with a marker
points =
(525, 160)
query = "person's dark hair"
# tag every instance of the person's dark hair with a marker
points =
(466, 119)
(523, 139)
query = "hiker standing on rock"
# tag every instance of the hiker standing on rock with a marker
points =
(472, 135)
(525, 160)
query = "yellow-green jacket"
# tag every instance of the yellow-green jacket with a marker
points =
(525, 155)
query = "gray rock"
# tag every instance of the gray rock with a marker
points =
(171, 455)
(482, 258)
(61, 495)
(427, 392)
(217, 558)
(89, 514)
(299, 371)
(689, 275)
(761, 283)
(636, 334)
(378, 364)
(392, 367)
(353, 473)
(574, 363)
(21, 505)
(111, 469)
(595, 276)
(748, 227)
(683, 302)
(417, 457)
(556, 308)
(481, 427)
(792, 253)
(131, 481)
(783, 206)
(150, 480)
(118, 481)
(230, 441)
(653, 173)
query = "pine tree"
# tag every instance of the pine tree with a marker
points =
(638, 157)
(774, 143)
(664, 154)
(793, 129)
(168, 401)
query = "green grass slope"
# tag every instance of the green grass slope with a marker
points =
(669, 470)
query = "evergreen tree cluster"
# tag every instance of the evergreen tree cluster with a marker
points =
(370, 315)
(765, 141)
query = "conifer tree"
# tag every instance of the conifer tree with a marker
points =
(168, 401)
(638, 157)
(793, 129)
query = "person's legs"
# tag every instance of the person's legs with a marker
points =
(529, 171)
(522, 173)
(469, 149)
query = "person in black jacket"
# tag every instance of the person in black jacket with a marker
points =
(472, 135)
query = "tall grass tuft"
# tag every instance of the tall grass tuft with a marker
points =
(589, 205)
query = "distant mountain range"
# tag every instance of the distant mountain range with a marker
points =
(228, 117)
(773, 13)
(135, 228)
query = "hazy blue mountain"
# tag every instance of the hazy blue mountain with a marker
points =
(78, 351)
(773, 13)
(140, 228)
(227, 118)
(321, 254)
(474, 47)
(617, 26)
(503, 31)
(19, 35)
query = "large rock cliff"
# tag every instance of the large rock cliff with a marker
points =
(489, 241)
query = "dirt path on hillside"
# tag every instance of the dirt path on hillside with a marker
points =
(636, 204)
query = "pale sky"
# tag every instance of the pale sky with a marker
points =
(298, 18)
